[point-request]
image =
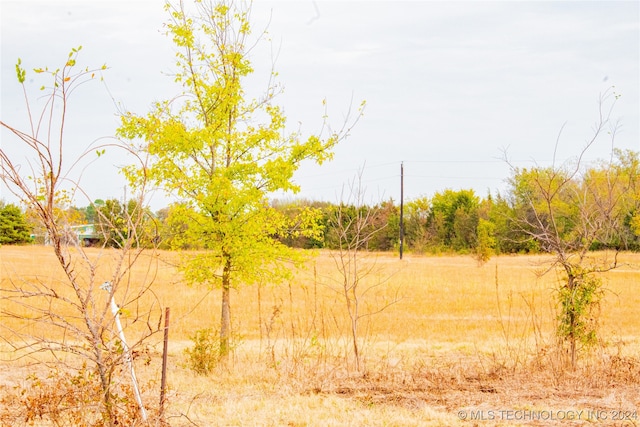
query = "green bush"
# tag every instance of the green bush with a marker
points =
(205, 353)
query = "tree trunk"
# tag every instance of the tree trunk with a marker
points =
(354, 335)
(225, 319)
(105, 383)
(573, 321)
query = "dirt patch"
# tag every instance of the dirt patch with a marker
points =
(606, 395)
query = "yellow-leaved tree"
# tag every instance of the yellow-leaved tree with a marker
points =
(223, 153)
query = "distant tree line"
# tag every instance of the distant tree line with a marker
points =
(457, 221)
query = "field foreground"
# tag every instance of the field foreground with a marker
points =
(443, 341)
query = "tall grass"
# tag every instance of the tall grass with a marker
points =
(445, 299)
(456, 325)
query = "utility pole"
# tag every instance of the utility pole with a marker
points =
(401, 207)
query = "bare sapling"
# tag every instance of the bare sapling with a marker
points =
(569, 213)
(354, 225)
(71, 320)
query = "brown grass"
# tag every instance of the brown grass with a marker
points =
(462, 337)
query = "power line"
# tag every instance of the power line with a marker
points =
(452, 177)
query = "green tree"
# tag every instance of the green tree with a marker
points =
(486, 240)
(617, 180)
(90, 211)
(13, 225)
(416, 217)
(222, 152)
(177, 228)
(500, 211)
(545, 200)
(116, 227)
(453, 219)
(300, 212)
(386, 222)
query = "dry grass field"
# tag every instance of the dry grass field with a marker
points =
(456, 344)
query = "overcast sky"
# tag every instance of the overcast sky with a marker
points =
(449, 85)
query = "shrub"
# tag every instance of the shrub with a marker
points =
(205, 353)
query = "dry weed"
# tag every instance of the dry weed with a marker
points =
(444, 347)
